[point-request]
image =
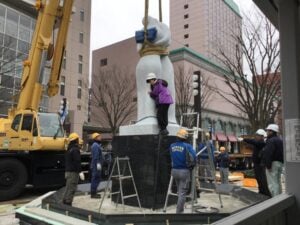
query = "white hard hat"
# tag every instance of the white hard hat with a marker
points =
(150, 76)
(273, 127)
(261, 132)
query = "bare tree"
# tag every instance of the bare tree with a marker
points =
(113, 94)
(184, 93)
(256, 90)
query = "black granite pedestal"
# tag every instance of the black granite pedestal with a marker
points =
(151, 167)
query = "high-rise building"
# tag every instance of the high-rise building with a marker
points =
(206, 26)
(17, 22)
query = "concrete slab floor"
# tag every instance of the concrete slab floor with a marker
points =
(207, 199)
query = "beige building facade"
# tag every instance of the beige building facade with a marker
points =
(205, 26)
(74, 80)
(17, 21)
(124, 56)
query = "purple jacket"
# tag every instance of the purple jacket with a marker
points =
(161, 94)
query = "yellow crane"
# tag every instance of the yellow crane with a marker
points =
(32, 143)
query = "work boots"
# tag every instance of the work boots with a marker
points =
(164, 132)
(95, 195)
(67, 203)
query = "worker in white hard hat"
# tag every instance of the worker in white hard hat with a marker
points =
(258, 143)
(163, 99)
(183, 158)
(273, 159)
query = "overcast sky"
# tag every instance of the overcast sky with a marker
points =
(116, 20)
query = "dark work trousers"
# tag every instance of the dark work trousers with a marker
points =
(162, 115)
(260, 175)
(96, 178)
(71, 186)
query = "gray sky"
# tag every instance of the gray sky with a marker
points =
(116, 20)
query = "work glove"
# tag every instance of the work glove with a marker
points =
(98, 166)
(81, 176)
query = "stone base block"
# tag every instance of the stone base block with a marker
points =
(151, 167)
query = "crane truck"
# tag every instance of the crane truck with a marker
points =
(33, 143)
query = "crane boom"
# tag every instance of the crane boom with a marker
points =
(31, 85)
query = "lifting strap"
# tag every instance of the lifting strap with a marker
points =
(148, 48)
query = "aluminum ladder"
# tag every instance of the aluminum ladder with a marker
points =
(210, 169)
(120, 176)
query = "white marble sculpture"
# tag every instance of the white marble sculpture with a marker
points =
(160, 64)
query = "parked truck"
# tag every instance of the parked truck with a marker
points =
(33, 143)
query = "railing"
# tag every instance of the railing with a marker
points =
(272, 211)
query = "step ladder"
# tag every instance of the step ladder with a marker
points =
(120, 177)
(209, 172)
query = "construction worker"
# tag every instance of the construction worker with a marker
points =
(183, 158)
(73, 168)
(223, 161)
(258, 144)
(80, 143)
(204, 169)
(96, 166)
(163, 99)
(273, 159)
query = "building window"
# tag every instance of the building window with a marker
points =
(62, 85)
(79, 89)
(186, 45)
(81, 15)
(186, 16)
(186, 36)
(103, 62)
(80, 68)
(64, 61)
(81, 37)
(186, 6)
(186, 26)
(80, 59)
(78, 107)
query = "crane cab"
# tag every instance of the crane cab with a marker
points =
(30, 131)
